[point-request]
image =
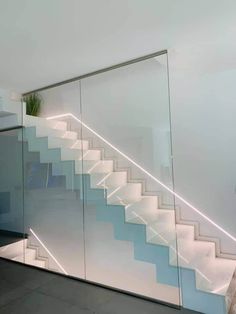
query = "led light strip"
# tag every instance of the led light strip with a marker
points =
(146, 172)
(112, 193)
(53, 257)
(104, 179)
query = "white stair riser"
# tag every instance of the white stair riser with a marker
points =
(55, 142)
(43, 132)
(112, 179)
(75, 154)
(84, 166)
(131, 190)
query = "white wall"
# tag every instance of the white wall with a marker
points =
(203, 120)
(63, 99)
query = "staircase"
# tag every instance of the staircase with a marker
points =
(22, 251)
(208, 283)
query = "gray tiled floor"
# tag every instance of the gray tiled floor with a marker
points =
(24, 290)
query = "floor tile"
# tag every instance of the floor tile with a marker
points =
(9, 292)
(27, 277)
(130, 305)
(37, 303)
(65, 289)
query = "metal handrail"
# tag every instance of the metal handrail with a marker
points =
(83, 76)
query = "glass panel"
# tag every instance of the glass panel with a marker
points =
(11, 195)
(204, 159)
(129, 210)
(92, 195)
(53, 206)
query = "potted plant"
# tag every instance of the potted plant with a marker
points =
(33, 104)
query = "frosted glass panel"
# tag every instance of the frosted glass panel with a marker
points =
(129, 213)
(53, 190)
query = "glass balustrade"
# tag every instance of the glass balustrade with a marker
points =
(96, 181)
(87, 189)
(128, 207)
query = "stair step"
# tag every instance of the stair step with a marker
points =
(91, 166)
(185, 232)
(27, 256)
(44, 123)
(132, 190)
(110, 180)
(220, 272)
(76, 154)
(37, 263)
(58, 125)
(48, 132)
(191, 253)
(13, 250)
(91, 154)
(161, 234)
(149, 216)
(136, 208)
(55, 142)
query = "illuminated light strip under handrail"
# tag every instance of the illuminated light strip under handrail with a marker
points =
(145, 171)
(53, 257)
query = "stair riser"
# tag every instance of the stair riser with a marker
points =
(114, 179)
(31, 121)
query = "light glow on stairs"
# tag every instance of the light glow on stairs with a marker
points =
(112, 193)
(104, 179)
(146, 172)
(94, 166)
(52, 256)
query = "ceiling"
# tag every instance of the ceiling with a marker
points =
(47, 41)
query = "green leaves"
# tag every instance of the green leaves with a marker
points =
(33, 103)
